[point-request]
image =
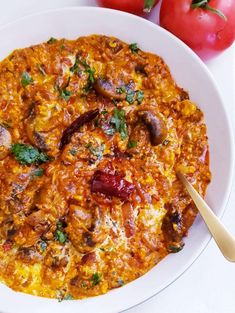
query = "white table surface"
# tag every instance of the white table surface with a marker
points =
(208, 286)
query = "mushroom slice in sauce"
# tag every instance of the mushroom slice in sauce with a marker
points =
(156, 127)
(105, 88)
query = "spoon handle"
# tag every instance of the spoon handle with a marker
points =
(223, 238)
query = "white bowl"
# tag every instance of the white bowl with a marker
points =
(191, 74)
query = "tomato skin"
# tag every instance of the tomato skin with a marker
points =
(202, 30)
(131, 6)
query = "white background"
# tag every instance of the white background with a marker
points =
(209, 285)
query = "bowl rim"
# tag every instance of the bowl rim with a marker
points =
(231, 181)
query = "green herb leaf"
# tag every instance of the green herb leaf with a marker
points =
(120, 282)
(175, 248)
(119, 121)
(38, 172)
(65, 94)
(59, 233)
(60, 236)
(98, 151)
(131, 144)
(84, 285)
(139, 96)
(104, 112)
(75, 68)
(26, 154)
(121, 89)
(109, 131)
(91, 79)
(43, 245)
(130, 96)
(41, 70)
(134, 48)
(68, 297)
(91, 73)
(109, 249)
(96, 278)
(52, 40)
(73, 151)
(165, 142)
(26, 79)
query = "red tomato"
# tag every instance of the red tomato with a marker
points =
(201, 28)
(131, 6)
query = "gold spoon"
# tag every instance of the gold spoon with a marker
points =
(223, 238)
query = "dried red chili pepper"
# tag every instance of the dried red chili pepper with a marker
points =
(74, 127)
(111, 185)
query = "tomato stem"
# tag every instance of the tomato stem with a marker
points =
(204, 5)
(148, 5)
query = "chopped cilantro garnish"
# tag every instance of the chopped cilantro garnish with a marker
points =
(65, 94)
(41, 70)
(51, 40)
(165, 142)
(109, 131)
(73, 151)
(26, 79)
(139, 96)
(104, 112)
(98, 151)
(38, 172)
(91, 73)
(130, 96)
(131, 144)
(84, 285)
(175, 248)
(26, 154)
(59, 234)
(96, 278)
(68, 297)
(91, 78)
(134, 48)
(75, 68)
(120, 282)
(119, 121)
(121, 89)
(43, 245)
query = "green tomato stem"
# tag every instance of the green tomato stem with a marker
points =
(218, 12)
(198, 4)
(148, 5)
(203, 4)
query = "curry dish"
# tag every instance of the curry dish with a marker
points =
(92, 133)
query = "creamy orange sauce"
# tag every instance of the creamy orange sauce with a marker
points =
(62, 234)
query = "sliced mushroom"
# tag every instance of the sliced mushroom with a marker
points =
(107, 89)
(156, 127)
(5, 142)
(172, 229)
